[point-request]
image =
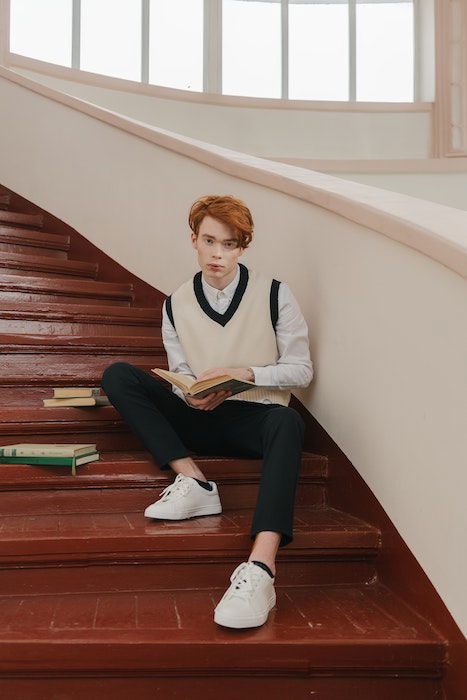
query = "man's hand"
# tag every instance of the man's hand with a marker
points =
(236, 372)
(207, 403)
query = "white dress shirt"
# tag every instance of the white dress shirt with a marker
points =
(294, 367)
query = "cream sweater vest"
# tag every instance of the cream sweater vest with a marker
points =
(241, 337)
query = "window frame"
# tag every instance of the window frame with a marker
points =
(212, 43)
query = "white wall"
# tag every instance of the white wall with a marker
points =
(444, 188)
(387, 330)
(301, 133)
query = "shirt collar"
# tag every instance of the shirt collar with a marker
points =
(229, 291)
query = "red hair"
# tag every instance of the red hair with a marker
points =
(231, 211)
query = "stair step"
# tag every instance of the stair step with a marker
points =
(121, 481)
(71, 355)
(15, 218)
(78, 319)
(16, 288)
(19, 240)
(128, 537)
(314, 633)
(100, 425)
(28, 392)
(46, 266)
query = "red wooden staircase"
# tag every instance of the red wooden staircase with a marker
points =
(98, 602)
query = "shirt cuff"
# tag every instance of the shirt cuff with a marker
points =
(262, 376)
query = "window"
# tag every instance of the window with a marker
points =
(42, 29)
(176, 43)
(318, 51)
(111, 37)
(251, 48)
(385, 62)
(301, 49)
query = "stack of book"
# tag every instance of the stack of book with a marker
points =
(77, 396)
(49, 454)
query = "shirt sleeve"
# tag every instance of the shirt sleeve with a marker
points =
(294, 367)
(175, 356)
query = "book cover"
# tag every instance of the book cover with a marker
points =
(75, 401)
(66, 392)
(46, 449)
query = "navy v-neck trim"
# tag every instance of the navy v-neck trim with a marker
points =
(224, 318)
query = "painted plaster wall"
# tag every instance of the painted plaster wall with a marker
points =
(269, 132)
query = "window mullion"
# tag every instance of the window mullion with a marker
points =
(352, 50)
(212, 46)
(285, 48)
(145, 10)
(76, 35)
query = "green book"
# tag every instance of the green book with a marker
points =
(72, 462)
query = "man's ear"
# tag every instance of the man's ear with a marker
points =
(194, 239)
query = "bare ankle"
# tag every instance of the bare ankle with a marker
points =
(187, 467)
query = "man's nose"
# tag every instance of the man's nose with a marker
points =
(217, 251)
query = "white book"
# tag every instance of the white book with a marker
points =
(46, 449)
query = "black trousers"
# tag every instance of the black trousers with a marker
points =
(170, 429)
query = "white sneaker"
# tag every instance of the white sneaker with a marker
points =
(185, 498)
(248, 600)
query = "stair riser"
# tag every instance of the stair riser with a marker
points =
(194, 572)
(36, 296)
(42, 502)
(138, 469)
(27, 271)
(73, 687)
(53, 327)
(17, 219)
(67, 364)
(32, 250)
(105, 438)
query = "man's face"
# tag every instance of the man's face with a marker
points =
(218, 252)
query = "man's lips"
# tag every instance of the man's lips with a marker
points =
(215, 267)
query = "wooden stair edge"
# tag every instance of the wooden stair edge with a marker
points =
(79, 312)
(47, 264)
(37, 239)
(63, 285)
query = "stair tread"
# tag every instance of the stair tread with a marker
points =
(53, 310)
(24, 340)
(35, 220)
(47, 264)
(21, 235)
(15, 282)
(364, 625)
(120, 469)
(91, 532)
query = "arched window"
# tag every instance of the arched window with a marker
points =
(298, 49)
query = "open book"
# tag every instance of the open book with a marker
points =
(191, 387)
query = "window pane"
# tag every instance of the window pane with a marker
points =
(111, 37)
(42, 30)
(318, 51)
(176, 43)
(385, 52)
(251, 48)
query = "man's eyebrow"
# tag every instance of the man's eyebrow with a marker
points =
(210, 235)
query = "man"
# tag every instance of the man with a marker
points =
(228, 319)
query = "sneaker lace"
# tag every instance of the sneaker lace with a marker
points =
(179, 487)
(246, 580)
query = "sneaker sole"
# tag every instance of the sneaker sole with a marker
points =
(206, 510)
(243, 622)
